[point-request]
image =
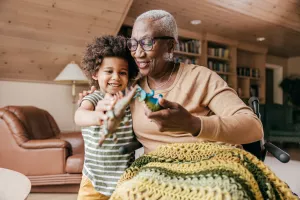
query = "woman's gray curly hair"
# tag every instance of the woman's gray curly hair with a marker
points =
(167, 23)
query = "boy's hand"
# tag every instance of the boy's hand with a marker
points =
(115, 115)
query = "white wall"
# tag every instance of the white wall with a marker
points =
(294, 66)
(55, 98)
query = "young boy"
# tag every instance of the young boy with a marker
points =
(109, 67)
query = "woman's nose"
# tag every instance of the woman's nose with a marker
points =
(139, 52)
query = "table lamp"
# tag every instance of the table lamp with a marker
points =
(72, 74)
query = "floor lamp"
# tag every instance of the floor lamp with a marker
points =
(72, 74)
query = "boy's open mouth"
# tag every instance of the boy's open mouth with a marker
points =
(114, 84)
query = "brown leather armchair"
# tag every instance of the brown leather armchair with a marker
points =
(32, 144)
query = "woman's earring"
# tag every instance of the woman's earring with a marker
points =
(171, 55)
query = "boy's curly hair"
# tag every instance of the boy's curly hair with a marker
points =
(106, 46)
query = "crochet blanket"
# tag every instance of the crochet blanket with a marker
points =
(200, 171)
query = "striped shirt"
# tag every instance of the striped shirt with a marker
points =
(104, 165)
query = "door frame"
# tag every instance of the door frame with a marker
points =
(277, 78)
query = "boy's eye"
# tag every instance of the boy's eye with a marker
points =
(109, 71)
(123, 73)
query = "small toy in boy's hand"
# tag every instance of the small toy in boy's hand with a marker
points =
(111, 116)
(149, 99)
(115, 115)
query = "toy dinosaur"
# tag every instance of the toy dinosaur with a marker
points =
(149, 99)
(115, 116)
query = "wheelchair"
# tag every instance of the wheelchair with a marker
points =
(258, 148)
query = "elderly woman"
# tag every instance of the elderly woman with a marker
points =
(177, 165)
(190, 93)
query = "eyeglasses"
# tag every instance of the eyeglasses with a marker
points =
(146, 43)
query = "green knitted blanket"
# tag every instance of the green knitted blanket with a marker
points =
(200, 171)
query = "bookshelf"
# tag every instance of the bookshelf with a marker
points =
(219, 60)
(220, 56)
(188, 51)
(251, 74)
(241, 65)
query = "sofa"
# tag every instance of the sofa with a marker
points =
(31, 143)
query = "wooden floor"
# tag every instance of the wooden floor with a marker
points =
(292, 149)
(48, 196)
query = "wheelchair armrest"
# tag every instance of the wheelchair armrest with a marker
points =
(278, 153)
(129, 148)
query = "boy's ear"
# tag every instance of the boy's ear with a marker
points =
(95, 77)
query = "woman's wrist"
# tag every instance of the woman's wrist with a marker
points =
(195, 126)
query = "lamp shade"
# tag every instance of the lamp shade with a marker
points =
(70, 73)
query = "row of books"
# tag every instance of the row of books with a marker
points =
(218, 66)
(190, 46)
(247, 71)
(218, 52)
(185, 60)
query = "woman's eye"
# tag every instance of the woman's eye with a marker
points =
(109, 71)
(123, 73)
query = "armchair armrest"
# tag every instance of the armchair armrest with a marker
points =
(75, 139)
(48, 143)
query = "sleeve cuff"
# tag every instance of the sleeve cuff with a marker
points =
(208, 128)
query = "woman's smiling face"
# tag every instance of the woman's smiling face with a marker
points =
(149, 62)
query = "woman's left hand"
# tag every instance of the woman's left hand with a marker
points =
(173, 117)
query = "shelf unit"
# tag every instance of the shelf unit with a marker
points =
(251, 73)
(188, 51)
(240, 57)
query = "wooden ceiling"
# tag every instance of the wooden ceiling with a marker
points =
(244, 20)
(39, 37)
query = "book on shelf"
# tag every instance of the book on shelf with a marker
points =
(218, 66)
(247, 71)
(185, 60)
(190, 46)
(218, 52)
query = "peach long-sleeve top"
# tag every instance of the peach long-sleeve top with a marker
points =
(201, 92)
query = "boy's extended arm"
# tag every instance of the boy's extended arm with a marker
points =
(86, 116)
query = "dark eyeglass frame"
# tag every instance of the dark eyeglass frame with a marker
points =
(151, 38)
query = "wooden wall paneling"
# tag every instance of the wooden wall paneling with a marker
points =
(92, 7)
(252, 48)
(277, 13)
(38, 40)
(66, 16)
(122, 18)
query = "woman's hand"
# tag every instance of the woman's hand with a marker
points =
(84, 93)
(174, 118)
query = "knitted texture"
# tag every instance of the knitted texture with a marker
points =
(187, 171)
